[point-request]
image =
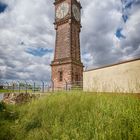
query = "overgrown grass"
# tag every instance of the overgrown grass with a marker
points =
(73, 116)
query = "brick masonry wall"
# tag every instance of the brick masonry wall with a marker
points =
(70, 72)
(75, 43)
(63, 46)
(66, 70)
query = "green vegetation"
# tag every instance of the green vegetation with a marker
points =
(15, 91)
(73, 116)
(3, 91)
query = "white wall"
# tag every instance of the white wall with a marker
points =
(123, 77)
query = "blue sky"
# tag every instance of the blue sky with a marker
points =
(119, 33)
(38, 51)
(3, 7)
(110, 34)
(127, 5)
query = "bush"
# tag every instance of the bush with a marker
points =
(2, 106)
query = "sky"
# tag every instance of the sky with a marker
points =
(110, 34)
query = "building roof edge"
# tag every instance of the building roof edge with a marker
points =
(119, 63)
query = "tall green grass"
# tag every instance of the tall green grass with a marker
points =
(74, 116)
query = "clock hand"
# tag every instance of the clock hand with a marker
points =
(63, 11)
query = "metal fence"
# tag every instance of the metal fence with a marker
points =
(25, 87)
(37, 87)
(68, 86)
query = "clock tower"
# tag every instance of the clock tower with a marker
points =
(67, 66)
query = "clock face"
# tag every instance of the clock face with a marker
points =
(62, 10)
(76, 12)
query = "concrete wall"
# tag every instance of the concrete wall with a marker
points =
(123, 77)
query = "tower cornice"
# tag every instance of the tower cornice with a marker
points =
(66, 20)
(60, 1)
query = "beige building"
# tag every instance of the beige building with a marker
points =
(121, 77)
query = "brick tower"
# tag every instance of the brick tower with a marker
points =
(67, 66)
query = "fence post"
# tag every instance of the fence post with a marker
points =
(34, 88)
(42, 86)
(66, 85)
(13, 86)
(52, 86)
(18, 86)
(26, 86)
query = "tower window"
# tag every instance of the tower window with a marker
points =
(60, 76)
(77, 77)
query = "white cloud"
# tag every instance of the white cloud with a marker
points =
(100, 21)
(23, 25)
(132, 32)
(29, 23)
